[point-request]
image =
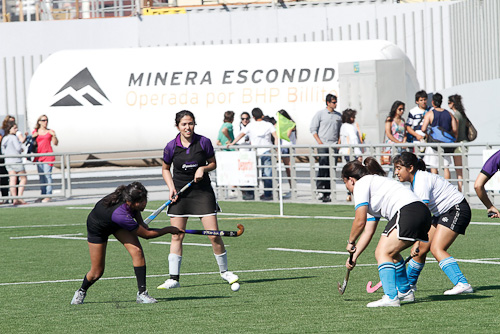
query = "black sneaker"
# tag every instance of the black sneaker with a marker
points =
(326, 199)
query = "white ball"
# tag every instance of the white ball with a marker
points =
(235, 286)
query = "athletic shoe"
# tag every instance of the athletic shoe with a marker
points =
(409, 296)
(287, 195)
(385, 301)
(266, 198)
(229, 277)
(460, 288)
(169, 284)
(144, 298)
(78, 297)
(326, 199)
(413, 287)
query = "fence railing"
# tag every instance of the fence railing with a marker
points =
(91, 174)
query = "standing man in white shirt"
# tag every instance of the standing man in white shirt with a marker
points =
(260, 133)
(325, 128)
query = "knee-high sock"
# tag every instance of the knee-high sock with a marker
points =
(452, 270)
(387, 273)
(140, 275)
(221, 261)
(174, 265)
(401, 279)
(86, 283)
(413, 271)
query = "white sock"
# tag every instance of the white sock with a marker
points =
(221, 261)
(174, 264)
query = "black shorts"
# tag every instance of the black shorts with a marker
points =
(197, 201)
(98, 233)
(412, 222)
(456, 219)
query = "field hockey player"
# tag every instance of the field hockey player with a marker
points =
(451, 216)
(376, 196)
(119, 213)
(191, 157)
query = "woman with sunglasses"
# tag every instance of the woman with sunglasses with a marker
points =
(45, 138)
(376, 196)
(395, 131)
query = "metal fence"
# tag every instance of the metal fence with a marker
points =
(91, 174)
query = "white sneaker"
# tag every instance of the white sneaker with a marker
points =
(78, 297)
(144, 298)
(385, 301)
(409, 296)
(229, 277)
(460, 288)
(169, 284)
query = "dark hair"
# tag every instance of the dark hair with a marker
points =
(420, 94)
(269, 119)
(457, 103)
(257, 113)
(245, 113)
(408, 159)
(134, 193)
(9, 126)
(330, 98)
(285, 114)
(181, 114)
(357, 169)
(6, 121)
(229, 116)
(437, 99)
(347, 115)
(394, 109)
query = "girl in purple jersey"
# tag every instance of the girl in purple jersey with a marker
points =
(491, 166)
(119, 213)
(191, 157)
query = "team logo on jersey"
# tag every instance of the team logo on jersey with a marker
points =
(81, 90)
(445, 219)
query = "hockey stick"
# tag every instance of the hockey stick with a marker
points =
(377, 286)
(344, 284)
(240, 231)
(164, 205)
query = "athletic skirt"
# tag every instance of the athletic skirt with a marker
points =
(457, 218)
(412, 222)
(196, 201)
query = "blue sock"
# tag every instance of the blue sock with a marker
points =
(401, 279)
(413, 271)
(451, 269)
(387, 273)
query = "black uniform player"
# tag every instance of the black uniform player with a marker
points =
(119, 213)
(192, 157)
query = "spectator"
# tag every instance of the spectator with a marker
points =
(45, 138)
(325, 128)
(245, 120)
(19, 134)
(489, 169)
(226, 130)
(349, 135)
(260, 133)
(285, 150)
(4, 178)
(11, 145)
(416, 118)
(395, 127)
(438, 116)
(458, 110)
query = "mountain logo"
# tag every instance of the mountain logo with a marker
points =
(81, 90)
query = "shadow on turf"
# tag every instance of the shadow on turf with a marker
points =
(488, 287)
(434, 298)
(126, 302)
(251, 281)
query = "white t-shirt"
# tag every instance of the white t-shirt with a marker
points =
(349, 135)
(293, 140)
(260, 134)
(383, 196)
(439, 194)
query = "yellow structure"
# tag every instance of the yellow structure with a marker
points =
(163, 11)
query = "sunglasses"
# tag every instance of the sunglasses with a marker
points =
(245, 118)
(44, 120)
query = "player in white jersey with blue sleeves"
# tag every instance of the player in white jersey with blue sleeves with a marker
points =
(451, 216)
(376, 196)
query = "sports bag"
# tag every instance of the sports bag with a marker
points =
(439, 135)
(470, 129)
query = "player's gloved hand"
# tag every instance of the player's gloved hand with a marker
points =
(493, 212)
(350, 264)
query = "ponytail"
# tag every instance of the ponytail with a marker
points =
(357, 169)
(408, 159)
(134, 193)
